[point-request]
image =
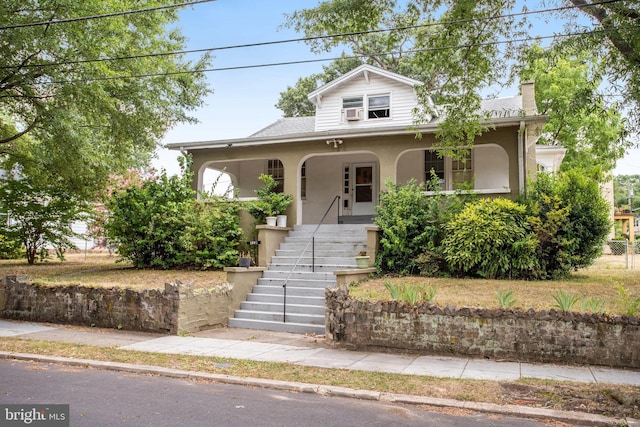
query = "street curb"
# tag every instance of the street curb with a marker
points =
(325, 390)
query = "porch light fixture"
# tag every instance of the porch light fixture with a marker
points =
(335, 142)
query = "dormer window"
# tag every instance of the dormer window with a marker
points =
(379, 107)
(354, 102)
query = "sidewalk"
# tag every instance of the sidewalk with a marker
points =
(311, 351)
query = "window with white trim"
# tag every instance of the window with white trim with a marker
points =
(379, 107)
(303, 181)
(275, 168)
(452, 173)
(352, 102)
(461, 171)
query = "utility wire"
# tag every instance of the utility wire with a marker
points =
(106, 15)
(310, 61)
(305, 39)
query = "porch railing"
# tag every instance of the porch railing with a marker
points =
(312, 242)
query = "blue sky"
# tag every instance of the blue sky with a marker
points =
(243, 101)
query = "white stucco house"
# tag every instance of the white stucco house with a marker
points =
(361, 135)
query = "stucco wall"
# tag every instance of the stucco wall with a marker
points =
(498, 334)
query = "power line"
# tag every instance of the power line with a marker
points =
(106, 15)
(305, 39)
(310, 61)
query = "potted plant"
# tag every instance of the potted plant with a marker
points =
(362, 259)
(244, 260)
(269, 204)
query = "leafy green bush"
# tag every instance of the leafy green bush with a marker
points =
(491, 238)
(158, 223)
(41, 217)
(10, 248)
(571, 220)
(412, 227)
(269, 203)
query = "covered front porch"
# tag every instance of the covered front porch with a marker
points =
(351, 173)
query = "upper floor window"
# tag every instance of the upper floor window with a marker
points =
(353, 102)
(366, 107)
(452, 173)
(379, 107)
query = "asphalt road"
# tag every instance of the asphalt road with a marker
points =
(109, 398)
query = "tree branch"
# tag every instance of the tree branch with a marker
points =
(612, 33)
(20, 134)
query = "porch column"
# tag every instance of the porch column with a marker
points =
(388, 168)
(291, 187)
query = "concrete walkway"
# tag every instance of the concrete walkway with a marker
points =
(311, 351)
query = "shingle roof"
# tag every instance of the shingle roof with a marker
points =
(503, 107)
(499, 108)
(287, 126)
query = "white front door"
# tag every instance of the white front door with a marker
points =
(364, 189)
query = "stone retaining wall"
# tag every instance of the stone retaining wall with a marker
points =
(176, 308)
(543, 336)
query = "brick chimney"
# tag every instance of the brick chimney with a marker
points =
(528, 98)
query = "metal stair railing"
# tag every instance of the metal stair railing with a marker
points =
(311, 241)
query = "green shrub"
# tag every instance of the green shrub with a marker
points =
(412, 227)
(491, 238)
(571, 220)
(158, 223)
(10, 248)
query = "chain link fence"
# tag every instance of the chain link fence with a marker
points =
(622, 253)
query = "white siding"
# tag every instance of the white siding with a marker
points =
(403, 99)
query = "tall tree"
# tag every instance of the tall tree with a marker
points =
(83, 97)
(465, 47)
(567, 90)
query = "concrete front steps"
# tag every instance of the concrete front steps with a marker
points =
(336, 246)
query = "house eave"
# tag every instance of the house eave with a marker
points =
(337, 133)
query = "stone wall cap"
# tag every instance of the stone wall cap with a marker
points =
(355, 271)
(244, 269)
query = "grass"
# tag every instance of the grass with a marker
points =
(600, 282)
(604, 399)
(99, 269)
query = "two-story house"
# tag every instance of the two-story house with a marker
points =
(361, 135)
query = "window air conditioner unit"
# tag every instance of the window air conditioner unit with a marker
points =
(353, 114)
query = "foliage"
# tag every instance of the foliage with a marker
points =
(571, 219)
(294, 102)
(490, 238)
(410, 224)
(564, 300)
(411, 294)
(72, 111)
(630, 303)
(506, 298)
(592, 132)
(621, 186)
(160, 224)
(459, 49)
(40, 216)
(269, 203)
(10, 248)
(593, 304)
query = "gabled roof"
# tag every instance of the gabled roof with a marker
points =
(362, 70)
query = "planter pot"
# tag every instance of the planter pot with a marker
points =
(271, 220)
(244, 262)
(281, 221)
(362, 261)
